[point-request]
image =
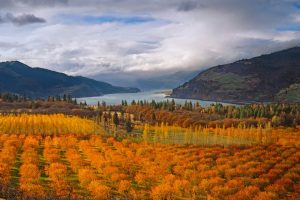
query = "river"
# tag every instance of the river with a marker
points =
(157, 95)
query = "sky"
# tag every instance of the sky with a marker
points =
(90, 37)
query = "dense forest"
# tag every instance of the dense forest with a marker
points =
(214, 115)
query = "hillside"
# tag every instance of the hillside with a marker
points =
(147, 81)
(19, 78)
(165, 81)
(267, 78)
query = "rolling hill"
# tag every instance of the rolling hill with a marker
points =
(16, 77)
(267, 78)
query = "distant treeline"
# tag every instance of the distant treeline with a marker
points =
(193, 114)
(11, 97)
(14, 103)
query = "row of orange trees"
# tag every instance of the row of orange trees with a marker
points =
(141, 171)
(54, 124)
(56, 170)
(30, 173)
(8, 153)
(211, 136)
(72, 167)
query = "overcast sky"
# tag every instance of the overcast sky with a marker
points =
(86, 37)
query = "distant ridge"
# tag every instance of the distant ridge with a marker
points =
(273, 77)
(16, 77)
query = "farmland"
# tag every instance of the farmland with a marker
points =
(70, 167)
(42, 163)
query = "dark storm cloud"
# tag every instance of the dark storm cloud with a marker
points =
(6, 3)
(16, 3)
(43, 2)
(175, 32)
(189, 5)
(21, 20)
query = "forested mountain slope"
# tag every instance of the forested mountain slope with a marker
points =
(16, 77)
(267, 78)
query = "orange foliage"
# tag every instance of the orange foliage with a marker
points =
(58, 174)
(98, 190)
(30, 183)
(107, 168)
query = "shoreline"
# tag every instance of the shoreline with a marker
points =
(225, 101)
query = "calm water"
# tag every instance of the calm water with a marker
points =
(116, 99)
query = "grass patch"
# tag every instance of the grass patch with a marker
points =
(290, 94)
(15, 176)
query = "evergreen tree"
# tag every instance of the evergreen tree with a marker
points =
(64, 97)
(129, 126)
(153, 117)
(116, 119)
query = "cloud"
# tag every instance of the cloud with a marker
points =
(35, 3)
(189, 5)
(102, 36)
(43, 2)
(23, 19)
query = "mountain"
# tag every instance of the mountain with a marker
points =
(166, 81)
(19, 78)
(267, 78)
(149, 80)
